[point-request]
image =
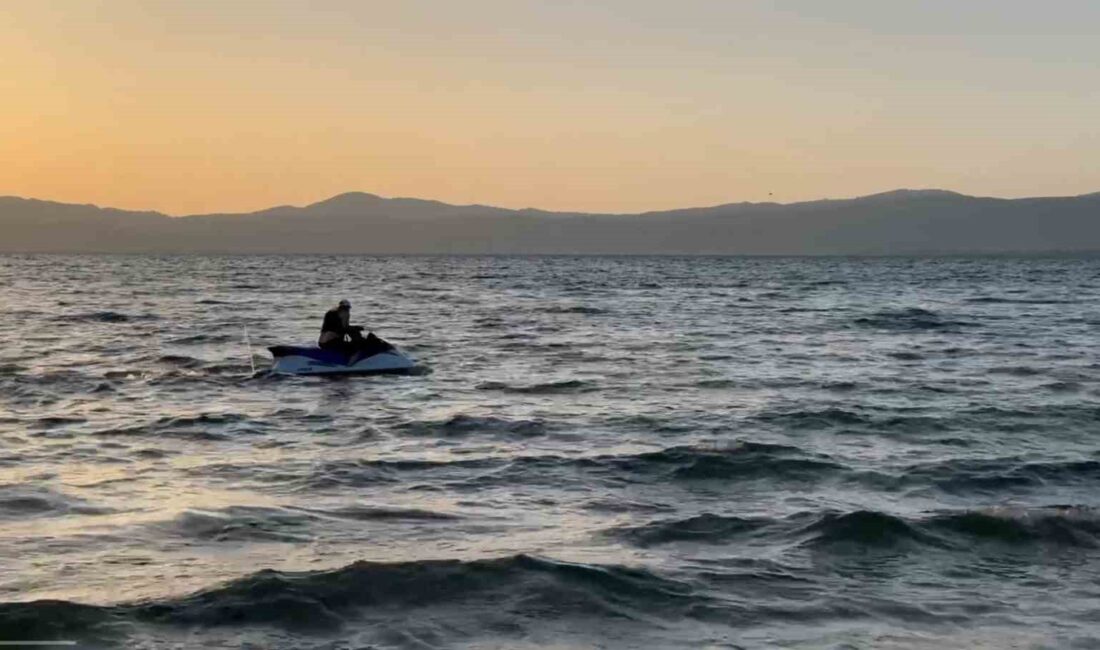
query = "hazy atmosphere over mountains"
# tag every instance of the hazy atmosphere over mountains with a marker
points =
(898, 222)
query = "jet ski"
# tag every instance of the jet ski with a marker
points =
(376, 359)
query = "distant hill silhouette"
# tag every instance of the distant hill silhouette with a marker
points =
(892, 223)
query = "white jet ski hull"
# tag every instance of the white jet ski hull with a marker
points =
(315, 361)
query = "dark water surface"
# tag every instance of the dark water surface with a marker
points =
(607, 452)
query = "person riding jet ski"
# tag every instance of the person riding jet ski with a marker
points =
(337, 333)
(342, 350)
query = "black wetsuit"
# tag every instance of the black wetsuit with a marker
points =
(351, 339)
(334, 323)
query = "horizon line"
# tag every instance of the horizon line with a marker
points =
(562, 212)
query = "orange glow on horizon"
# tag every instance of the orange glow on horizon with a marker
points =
(211, 107)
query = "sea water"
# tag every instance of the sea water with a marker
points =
(601, 452)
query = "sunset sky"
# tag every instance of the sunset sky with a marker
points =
(627, 105)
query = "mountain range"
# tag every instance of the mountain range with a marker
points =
(901, 222)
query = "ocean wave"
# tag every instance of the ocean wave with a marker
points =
(741, 462)
(104, 387)
(717, 383)
(527, 587)
(11, 369)
(910, 319)
(179, 360)
(122, 374)
(809, 529)
(19, 501)
(352, 472)
(335, 474)
(705, 528)
(1018, 371)
(994, 300)
(489, 322)
(1063, 386)
(58, 620)
(1076, 411)
(1053, 419)
(915, 420)
(1076, 526)
(361, 512)
(574, 309)
(107, 317)
(364, 472)
(51, 421)
(1067, 526)
(240, 369)
(814, 419)
(546, 388)
(648, 424)
(906, 355)
(198, 339)
(202, 427)
(186, 374)
(966, 476)
(746, 460)
(915, 424)
(535, 586)
(462, 425)
(239, 524)
(863, 528)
